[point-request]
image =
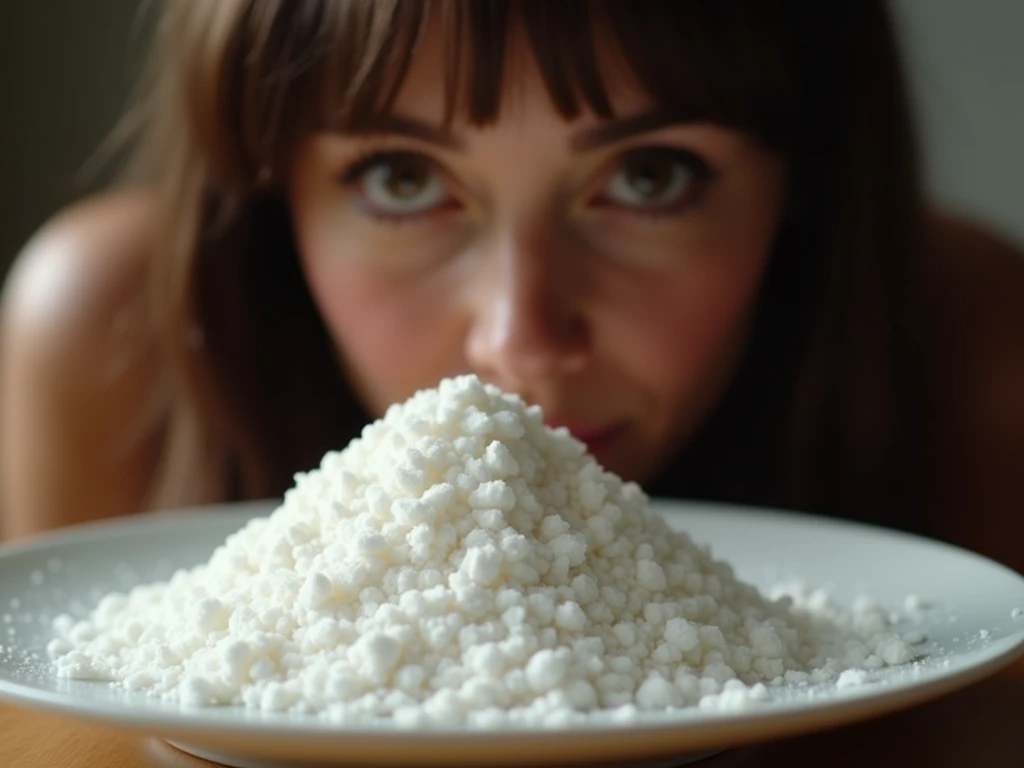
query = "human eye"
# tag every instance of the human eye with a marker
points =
(397, 184)
(656, 180)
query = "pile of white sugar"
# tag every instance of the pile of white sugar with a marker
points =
(462, 564)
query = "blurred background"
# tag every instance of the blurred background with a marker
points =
(67, 68)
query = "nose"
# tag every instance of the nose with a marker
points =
(529, 327)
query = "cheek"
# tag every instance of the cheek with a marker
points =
(394, 335)
(682, 331)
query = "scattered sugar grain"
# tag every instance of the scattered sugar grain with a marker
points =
(914, 603)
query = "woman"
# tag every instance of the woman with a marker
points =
(693, 232)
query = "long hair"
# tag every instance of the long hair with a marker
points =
(817, 412)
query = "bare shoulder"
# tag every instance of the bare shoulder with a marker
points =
(77, 371)
(975, 293)
(82, 262)
(975, 289)
(975, 266)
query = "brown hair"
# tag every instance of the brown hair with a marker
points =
(254, 393)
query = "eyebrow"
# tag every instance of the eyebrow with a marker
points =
(413, 129)
(622, 128)
(608, 132)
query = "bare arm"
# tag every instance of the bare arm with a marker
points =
(76, 375)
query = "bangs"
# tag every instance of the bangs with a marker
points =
(282, 69)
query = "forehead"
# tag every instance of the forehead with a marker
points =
(524, 94)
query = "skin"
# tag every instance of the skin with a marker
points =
(621, 314)
(532, 274)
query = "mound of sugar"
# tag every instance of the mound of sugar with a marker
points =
(462, 564)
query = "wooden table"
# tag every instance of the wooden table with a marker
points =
(979, 727)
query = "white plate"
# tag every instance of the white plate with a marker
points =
(971, 628)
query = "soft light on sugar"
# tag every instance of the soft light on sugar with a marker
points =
(462, 564)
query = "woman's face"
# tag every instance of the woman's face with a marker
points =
(604, 270)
